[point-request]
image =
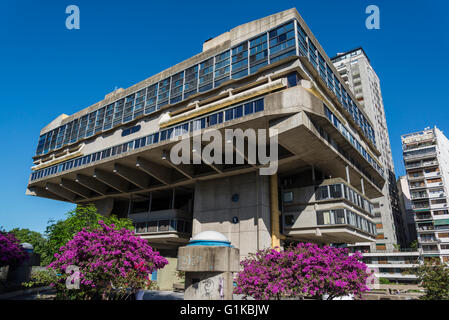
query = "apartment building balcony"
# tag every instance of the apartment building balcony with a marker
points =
(420, 196)
(421, 206)
(426, 227)
(432, 174)
(418, 137)
(429, 241)
(430, 251)
(434, 184)
(397, 276)
(421, 164)
(444, 240)
(441, 214)
(421, 217)
(417, 185)
(415, 177)
(438, 206)
(419, 154)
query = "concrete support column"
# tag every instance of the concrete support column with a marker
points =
(348, 179)
(363, 186)
(172, 205)
(275, 233)
(130, 205)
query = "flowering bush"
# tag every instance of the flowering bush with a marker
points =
(11, 252)
(302, 271)
(113, 264)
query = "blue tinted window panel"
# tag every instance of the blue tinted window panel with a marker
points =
(240, 74)
(258, 105)
(283, 56)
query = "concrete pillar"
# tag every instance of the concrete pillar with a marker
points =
(348, 179)
(209, 263)
(275, 234)
(130, 204)
(363, 186)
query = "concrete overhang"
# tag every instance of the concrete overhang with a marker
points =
(283, 111)
(329, 234)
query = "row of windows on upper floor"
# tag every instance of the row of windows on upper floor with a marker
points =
(341, 190)
(308, 49)
(334, 120)
(221, 116)
(326, 136)
(345, 216)
(337, 217)
(237, 62)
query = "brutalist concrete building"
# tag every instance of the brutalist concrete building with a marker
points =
(269, 74)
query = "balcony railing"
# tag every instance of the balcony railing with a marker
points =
(415, 155)
(423, 217)
(426, 228)
(420, 196)
(433, 240)
(163, 225)
(421, 164)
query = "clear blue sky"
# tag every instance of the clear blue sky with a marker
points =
(47, 70)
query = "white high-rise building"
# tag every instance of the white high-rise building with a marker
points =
(355, 69)
(426, 160)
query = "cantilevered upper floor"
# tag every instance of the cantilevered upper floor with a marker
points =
(236, 54)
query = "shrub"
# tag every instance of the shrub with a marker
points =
(113, 264)
(60, 232)
(302, 271)
(433, 276)
(11, 252)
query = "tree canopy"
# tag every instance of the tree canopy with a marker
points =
(58, 233)
(434, 278)
(33, 237)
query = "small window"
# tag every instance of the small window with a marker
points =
(288, 196)
(335, 191)
(152, 226)
(163, 225)
(249, 108)
(289, 220)
(292, 79)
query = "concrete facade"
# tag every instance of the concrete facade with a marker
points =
(356, 69)
(250, 206)
(408, 215)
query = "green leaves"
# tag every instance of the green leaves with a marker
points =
(33, 237)
(58, 233)
(434, 278)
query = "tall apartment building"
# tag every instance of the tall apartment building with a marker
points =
(271, 73)
(426, 159)
(355, 69)
(408, 215)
